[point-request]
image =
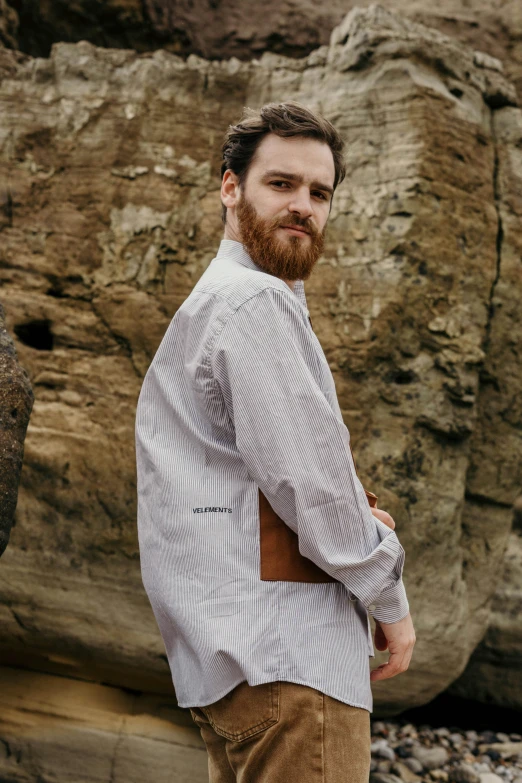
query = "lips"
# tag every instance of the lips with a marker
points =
(297, 228)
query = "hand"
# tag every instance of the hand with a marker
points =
(400, 638)
(383, 516)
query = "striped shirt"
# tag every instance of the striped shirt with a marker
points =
(238, 400)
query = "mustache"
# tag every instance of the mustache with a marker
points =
(296, 222)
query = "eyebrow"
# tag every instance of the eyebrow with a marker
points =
(297, 178)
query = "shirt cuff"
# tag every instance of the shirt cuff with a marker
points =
(392, 604)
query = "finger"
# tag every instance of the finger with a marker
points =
(389, 669)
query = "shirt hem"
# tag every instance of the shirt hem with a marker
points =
(281, 679)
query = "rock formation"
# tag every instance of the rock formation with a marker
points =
(69, 730)
(16, 402)
(111, 160)
(219, 29)
(494, 674)
(8, 25)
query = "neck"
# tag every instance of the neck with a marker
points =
(230, 233)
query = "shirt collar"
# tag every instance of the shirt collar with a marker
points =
(236, 250)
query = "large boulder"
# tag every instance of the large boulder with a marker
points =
(494, 674)
(16, 402)
(112, 160)
(8, 25)
(66, 730)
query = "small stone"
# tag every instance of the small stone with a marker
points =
(386, 753)
(490, 777)
(456, 738)
(506, 750)
(409, 729)
(381, 777)
(438, 774)
(400, 769)
(413, 764)
(383, 765)
(464, 773)
(501, 737)
(430, 758)
(379, 727)
(380, 746)
(442, 732)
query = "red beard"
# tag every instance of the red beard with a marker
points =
(292, 258)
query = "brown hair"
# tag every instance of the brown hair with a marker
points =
(283, 119)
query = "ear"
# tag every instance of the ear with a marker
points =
(229, 189)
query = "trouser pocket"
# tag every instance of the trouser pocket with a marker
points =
(245, 711)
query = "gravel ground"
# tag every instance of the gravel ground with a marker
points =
(404, 753)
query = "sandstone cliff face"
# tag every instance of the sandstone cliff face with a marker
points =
(8, 25)
(16, 402)
(66, 730)
(111, 164)
(493, 674)
(224, 28)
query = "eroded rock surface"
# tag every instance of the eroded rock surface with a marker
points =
(16, 402)
(8, 25)
(226, 28)
(61, 729)
(493, 674)
(111, 161)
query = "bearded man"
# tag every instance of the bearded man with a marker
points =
(260, 553)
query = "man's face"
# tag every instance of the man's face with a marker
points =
(281, 211)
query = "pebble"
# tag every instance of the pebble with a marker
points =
(430, 758)
(405, 773)
(414, 765)
(423, 754)
(464, 773)
(504, 749)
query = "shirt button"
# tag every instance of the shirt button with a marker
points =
(372, 607)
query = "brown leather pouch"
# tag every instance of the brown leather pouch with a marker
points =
(281, 559)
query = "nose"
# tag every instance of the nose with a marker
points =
(300, 202)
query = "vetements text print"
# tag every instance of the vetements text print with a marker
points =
(211, 508)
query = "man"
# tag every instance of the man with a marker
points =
(259, 550)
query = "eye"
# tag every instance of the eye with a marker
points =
(319, 193)
(279, 182)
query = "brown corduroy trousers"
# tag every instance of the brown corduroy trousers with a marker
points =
(282, 732)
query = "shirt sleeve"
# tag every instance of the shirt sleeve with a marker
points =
(296, 449)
